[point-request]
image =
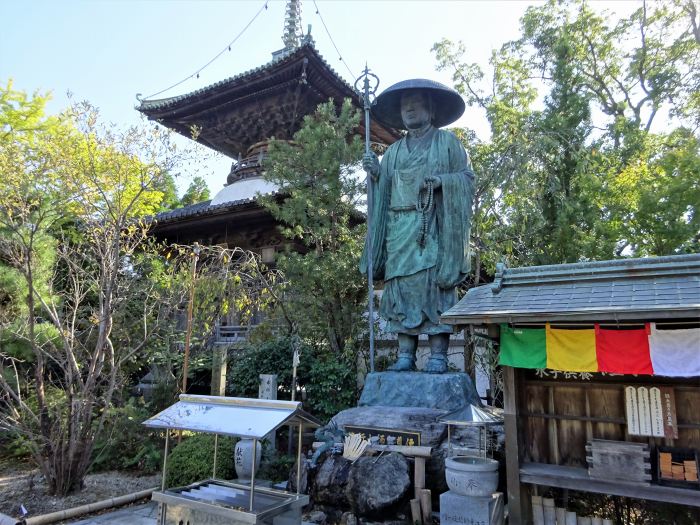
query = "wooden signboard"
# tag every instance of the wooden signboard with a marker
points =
(632, 411)
(386, 436)
(656, 408)
(651, 411)
(619, 461)
(668, 406)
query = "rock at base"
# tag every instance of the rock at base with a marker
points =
(378, 485)
(331, 481)
(471, 510)
(412, 419)
(449, 392)
(371, 486)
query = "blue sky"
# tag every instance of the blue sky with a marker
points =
(107, 51)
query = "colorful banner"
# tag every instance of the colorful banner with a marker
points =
(675, 353)
(523, 347)
(571, 350)
(649, 351)
(623, 351)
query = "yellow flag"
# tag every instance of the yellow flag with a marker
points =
(571, 350)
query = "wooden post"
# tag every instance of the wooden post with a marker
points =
(550, 518)
(518, 501)
(537, 510)
(561, 515)
(419, 477)
(426, 506)
(188, 330)
(571, 518)
(596, 520)
(415, 512)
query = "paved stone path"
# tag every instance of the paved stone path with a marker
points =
(137, 515)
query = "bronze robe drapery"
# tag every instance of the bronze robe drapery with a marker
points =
(420, 281)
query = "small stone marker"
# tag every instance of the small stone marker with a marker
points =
(268, 386)
(456, 509)
(268, 390)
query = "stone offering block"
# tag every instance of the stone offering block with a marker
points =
(448, 392)
(471, 510)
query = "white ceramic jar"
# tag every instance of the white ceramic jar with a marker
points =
(243, 458)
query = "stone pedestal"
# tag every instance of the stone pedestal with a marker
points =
(447, 392)
(471, 510)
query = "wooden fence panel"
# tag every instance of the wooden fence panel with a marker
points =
(565, 414)
(571, 435)
(537, 441)
(607, 404)
(688, 413)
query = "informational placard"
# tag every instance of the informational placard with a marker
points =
(644, 411)
(385, 436)
(651, 411)
(657, 416)
(632, 411)
(668, 405)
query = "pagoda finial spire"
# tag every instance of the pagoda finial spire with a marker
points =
(292, 24)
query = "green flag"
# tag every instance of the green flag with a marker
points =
(523, 347)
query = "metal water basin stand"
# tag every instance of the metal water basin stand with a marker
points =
(218, 502)
(481, 417)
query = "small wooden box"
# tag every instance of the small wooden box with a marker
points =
(619, 461)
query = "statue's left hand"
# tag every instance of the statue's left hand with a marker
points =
(435, 179)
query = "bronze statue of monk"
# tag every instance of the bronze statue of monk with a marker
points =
(421, 217)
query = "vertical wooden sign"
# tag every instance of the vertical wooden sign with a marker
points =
(651, 411)
(632, 411)
(644, 411)
(668, 406)
(657, 416)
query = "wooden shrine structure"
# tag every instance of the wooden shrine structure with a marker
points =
(554, 418)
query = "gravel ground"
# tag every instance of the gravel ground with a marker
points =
(24, 485)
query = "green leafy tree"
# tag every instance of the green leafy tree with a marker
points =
(580, 175)
(170, 200)
(72, 195)
(319, 214)
(197, 191)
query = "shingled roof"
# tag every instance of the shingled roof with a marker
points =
(264, 102)
(623, 289)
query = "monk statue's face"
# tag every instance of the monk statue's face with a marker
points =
(415, 109)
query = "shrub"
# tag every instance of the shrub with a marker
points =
(330, 380)
(126, 444)
(193, 460)
(276, 468)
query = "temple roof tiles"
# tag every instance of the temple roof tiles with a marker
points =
(258, 104)
(162, 103)
(621, 289)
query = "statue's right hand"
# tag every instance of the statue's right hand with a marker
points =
(370, 163)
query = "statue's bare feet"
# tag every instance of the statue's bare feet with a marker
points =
(436, 365)
(403, 364)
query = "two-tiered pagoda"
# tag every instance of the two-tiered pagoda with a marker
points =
(237, 117)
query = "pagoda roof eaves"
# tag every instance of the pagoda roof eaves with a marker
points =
(152, 107)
